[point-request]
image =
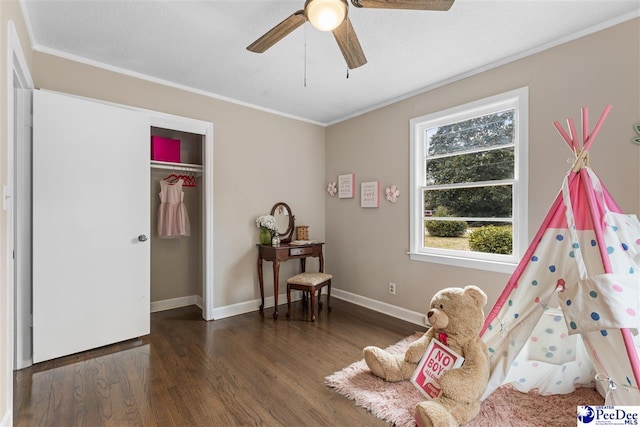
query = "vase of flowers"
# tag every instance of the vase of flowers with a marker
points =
(267, 226)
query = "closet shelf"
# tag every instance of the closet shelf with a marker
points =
(184, 167)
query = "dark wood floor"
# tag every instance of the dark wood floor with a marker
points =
(240, 371)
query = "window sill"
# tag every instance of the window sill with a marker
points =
(478, 264)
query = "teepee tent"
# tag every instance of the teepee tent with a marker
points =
(569, 315)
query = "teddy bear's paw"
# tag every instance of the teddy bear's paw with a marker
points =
(373, 357)
(387, 366)
(414, 354)
(432, 414)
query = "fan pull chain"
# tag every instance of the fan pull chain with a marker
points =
(305, 55)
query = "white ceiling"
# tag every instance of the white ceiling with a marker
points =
(200, 45)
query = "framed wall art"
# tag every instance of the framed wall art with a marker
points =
(345, 186)
(370, 194)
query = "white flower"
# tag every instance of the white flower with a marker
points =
(266, 221)
(392, 193)
(331, 189)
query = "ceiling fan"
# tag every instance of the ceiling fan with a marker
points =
(331, 15)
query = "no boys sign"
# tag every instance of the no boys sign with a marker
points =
(436, 361)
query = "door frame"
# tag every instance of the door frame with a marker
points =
(18, 77)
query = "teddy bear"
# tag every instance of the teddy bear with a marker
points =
(456, 318)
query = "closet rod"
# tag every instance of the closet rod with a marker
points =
(185, 167)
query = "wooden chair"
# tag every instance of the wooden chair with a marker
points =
(310, 283)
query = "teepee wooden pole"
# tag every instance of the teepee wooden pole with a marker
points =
(563, 133)
(585, 124)
(596, 128)
(574, 135)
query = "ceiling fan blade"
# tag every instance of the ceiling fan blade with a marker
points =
(278, 32)
(349, 44)
(405, 4)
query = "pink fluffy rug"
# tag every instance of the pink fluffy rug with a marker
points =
(394, 402)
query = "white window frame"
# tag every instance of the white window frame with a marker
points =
(518, 100)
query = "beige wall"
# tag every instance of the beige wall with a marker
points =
(368, 247)
(9, 11)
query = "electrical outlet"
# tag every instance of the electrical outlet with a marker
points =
(392, 288)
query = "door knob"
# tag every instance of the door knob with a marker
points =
(142, 238)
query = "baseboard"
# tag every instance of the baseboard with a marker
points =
(169, 304)
(221, 312)
(7, 419)
(24, 363)
(249, 306)
(254, 305)
(381, 307)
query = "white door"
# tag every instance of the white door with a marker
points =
(90, 205)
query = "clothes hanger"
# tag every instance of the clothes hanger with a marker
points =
(172, 178)
(189, 180)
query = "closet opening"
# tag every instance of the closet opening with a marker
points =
(177, 228)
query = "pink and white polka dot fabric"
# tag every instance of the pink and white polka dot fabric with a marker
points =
(560, 324)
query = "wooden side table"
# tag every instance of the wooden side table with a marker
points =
(285, 252)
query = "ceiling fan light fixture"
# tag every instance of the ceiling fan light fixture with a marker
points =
(325, 15)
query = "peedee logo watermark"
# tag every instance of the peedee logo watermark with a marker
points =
(591, 416)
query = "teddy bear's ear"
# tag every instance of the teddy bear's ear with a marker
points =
(477, 294)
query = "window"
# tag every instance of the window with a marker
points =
(469, 184)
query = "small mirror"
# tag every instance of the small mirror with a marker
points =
(284, 221)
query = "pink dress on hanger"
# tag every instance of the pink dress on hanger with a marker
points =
(173, 220)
